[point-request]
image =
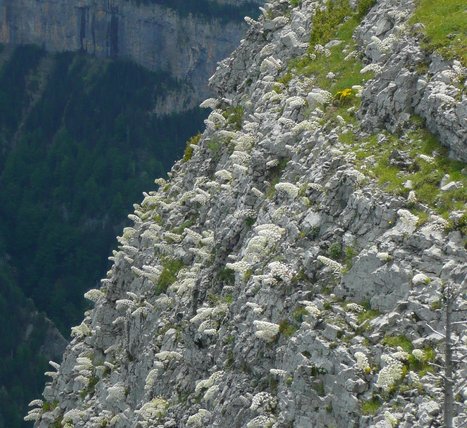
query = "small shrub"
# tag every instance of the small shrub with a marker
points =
(318, 386)
(286, 328)
(227, 276)
(295, 3)
(300, 276)
(350, 254)
(249, 222)
(335, 251)
(171, 267)
(299, 313)
(89, 390)
(214, 146)
(234, 116)
(188, 149)
(49, 406)
(230, 361)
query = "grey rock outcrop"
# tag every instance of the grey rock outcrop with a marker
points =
(231, 302)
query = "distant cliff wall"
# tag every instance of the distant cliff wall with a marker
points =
(153, 35)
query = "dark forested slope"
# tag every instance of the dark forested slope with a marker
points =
(78, 145)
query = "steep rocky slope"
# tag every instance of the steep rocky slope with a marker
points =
(154, 34)
(289, 272)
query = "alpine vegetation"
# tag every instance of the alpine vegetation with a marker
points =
(295, 269)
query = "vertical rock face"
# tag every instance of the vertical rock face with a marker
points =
(155, 36)
(272, 281)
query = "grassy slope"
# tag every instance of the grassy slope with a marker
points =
(372, 158)
(445, 23)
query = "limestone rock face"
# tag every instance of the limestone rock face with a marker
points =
(270, 282)
(150, 34)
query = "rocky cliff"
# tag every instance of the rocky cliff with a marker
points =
(292, 270)
(153, 34)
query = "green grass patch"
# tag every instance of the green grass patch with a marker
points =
(445, 23)
(247, 275)
(423, 366)
(271, 191)
(337, 22)
(350, 253)
(157, 218)
(299, 313)
(371, 407)
(368, 314)
(180, 229)
(188, 154)
(49, 406)
(460, 224)
(425, 175)
(170, 269)
(396, 341)
(436, 305)
(58, 423)
(326, 20)
(285, 79)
